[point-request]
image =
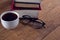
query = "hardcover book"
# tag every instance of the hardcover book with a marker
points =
(26, 7)
(26, 4)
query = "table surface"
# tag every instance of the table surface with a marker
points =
(50, 14)
(24, 32)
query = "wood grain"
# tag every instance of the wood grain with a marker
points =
(50, 14)
(55, 35)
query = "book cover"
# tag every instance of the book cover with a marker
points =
(19, 5)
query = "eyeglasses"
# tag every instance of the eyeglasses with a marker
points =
(26, 19)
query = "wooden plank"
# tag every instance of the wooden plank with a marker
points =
(4, 3)
(54, 35)
(50, 14)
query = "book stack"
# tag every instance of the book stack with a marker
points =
(27, 4)
(26, 7)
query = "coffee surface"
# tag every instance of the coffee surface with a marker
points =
(9, 17)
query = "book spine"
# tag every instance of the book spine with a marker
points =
(12, 5)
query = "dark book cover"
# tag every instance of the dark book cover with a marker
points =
(25, 5)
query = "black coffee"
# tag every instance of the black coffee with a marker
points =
(9, 17)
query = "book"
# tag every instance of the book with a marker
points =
(19, 5)
(26, 5)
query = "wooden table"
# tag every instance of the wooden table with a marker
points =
(50, 14)
(25, 32)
